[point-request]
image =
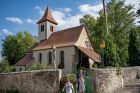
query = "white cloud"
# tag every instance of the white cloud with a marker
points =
(67, 10)
(31, 21)
(65, 20)
(14, 20)
(6, 32)
(136, 7)
(91, 9)
(41, 12)
(133, 2)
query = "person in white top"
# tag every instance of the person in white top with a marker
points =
(68, 87)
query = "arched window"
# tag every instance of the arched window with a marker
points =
(62, 57)
(40, 58)
(50, 57)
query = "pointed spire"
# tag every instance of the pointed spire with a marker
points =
(47, 17)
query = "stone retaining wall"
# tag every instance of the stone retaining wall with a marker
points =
(46, 81)
(107, 80)
(130, 73)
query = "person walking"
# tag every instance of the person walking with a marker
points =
(80, 79)
(81, 85)
(68, 87)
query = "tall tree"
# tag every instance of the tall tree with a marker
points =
(14, 47)
(134, 53)
(120, 20)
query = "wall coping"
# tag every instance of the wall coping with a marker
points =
(113, 68)
(33, 71)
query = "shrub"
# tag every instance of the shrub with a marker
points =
(38, 66)
(5, 66)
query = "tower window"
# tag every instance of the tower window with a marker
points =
(42, 28)
(51, 28)
(50, 57)
(40, 57)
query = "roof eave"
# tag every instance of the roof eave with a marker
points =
(40, 21)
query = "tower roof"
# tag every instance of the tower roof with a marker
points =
(47, 17)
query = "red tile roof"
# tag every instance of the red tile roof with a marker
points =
(90, 53)
(25, 60)
(47, 17)
(65, 37)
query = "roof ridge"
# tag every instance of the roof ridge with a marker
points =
(68, 29)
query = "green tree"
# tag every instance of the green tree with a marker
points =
(111, 57)
(5, 66)
(14, 47)
(138, 13)
(120, 20)
(133, 48)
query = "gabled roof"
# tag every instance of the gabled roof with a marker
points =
(25, 60)
(65, 37)
(47, 17)
(90, 53)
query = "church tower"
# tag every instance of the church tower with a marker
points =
(46, 25)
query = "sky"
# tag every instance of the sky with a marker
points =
(22, 15)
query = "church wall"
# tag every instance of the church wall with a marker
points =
(68, 57)
(91, 62)
(46, 33)
(83, 40)
(48, 28)
(20, 68)
(41, 34)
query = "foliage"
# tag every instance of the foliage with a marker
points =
(38, 66)
(14, 47)
(111, 57)
(94, 65)
(5, 66)
(134, 48)
(120, 20)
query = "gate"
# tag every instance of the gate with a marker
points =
(86, 73)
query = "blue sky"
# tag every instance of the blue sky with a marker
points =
(22, 15)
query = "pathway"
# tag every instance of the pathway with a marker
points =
(130, 87)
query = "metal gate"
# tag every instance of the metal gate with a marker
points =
(87, 77)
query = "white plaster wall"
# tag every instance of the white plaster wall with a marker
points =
(48, 30)
(68, 57)
(18, 68)
(82, 39)
(41, 35)
(91, 62)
